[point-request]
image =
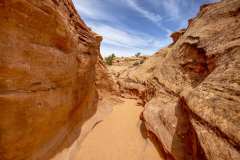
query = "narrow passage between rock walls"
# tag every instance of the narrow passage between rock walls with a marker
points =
(119, 137)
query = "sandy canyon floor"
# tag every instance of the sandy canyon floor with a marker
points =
(119, 136)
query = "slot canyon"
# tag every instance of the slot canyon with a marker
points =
(59, 100)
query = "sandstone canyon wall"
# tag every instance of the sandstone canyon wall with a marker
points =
(191, 88)
(52, 80)
(48, 63)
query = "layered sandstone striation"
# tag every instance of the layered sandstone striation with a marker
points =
(131, 75)
(48, 64)
(192, 87)
(54, 86)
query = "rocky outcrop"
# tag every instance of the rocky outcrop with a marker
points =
(122, 69)
(194, 111)
(48, 60)
(176, 35)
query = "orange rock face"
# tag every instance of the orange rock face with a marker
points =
(195, 108)
(47, 77)
(201, 119)
(176, 35)
(52, 80)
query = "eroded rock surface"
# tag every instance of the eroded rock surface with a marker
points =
(48, 82)
(194, 106)
(54, 86)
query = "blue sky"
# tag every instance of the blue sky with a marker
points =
(131, 26)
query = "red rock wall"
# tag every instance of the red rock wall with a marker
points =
(195, 114)
(194, 109)
(47, 77)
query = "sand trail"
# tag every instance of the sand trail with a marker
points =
(119, 137)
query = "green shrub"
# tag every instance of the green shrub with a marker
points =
(137, 54)
(109, 59)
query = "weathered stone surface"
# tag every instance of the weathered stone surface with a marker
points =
(176, 35)
(215, 103)
(52, 80)
(47, 77)
(195, 108)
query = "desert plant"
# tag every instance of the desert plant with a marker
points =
(137, 54)
(109, 59)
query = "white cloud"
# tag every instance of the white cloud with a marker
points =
(86, 9)
(172, 8)
(122, 42)
(156, 18)
(116, 36)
